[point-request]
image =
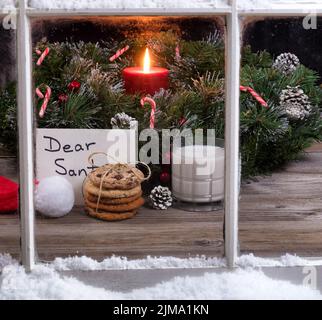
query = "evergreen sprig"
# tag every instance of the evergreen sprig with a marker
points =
(8, 117)
(79, 111)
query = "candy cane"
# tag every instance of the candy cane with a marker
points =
(178, 55)
(119, 53)
(46, 98)
(255, 95)
(153, 105)
(42, 56)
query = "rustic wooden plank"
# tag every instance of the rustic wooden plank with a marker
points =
(175, 233)
(9, 223)
(9, 168)
(276, 238)
(315, 148)
(4, 152)
(10, 234)
(282, 213)
(310, 163)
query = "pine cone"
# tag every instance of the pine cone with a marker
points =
(286, 63)
(295, 103)
(161, 198)
(121, 121)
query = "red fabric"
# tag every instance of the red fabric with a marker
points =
(8, 195)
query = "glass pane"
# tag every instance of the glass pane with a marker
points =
(9, 218)
(280, 205)
(95, 70)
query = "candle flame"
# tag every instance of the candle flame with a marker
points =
(147, 61)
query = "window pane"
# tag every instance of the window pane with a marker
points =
(280, 205)
(9, 218)
(89, 70)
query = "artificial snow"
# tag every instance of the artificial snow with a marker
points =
(122, 263)
(264, 4)
(6, 260)
(46, 283)
(287, 260)
(125, 4)
(166, 4)
(7, 4)
(237, 285)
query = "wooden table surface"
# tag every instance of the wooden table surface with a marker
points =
(283, 213)
(279, 214)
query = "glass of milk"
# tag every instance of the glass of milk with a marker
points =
(198, 173)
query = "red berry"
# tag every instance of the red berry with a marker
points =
(165, 177)
(74, 86)
(63, 98)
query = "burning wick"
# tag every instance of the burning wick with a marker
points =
(147, 61)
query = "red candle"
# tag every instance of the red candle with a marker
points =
(146, 80)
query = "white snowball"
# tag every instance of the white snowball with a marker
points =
(54, 197)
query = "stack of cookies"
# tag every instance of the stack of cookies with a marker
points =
(113, 192)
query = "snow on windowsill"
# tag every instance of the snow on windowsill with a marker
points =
(45, 282)
(246, 282)
(6, 260)
(288, 260)
(122, 263)
(165, 4)
(7, 4)
(278, 4)
(125, 4)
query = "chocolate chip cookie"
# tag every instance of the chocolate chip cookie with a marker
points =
(93, 190)
(94, 199)
(116, 176)
(110, 216)
(127, 207)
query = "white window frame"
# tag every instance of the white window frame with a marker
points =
(25, 107)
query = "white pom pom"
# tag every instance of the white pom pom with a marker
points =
(54, 197)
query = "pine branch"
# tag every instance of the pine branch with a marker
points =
(79, 111)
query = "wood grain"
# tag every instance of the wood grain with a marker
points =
(174, 233)
(9, 168)
(9, 224)
(279, 214)
(10, 234)
(283, 213)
